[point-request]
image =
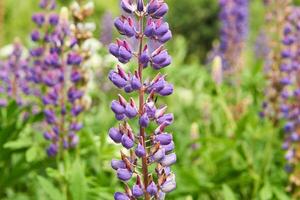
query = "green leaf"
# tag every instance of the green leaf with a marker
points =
(53, 173)
(51, 191)
(18, 144)
(280, 194)
(266, 192)
(78, 183)
(228, 193)
(31, 153)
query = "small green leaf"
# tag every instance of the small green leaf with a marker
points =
(228, 193)
(51, 191)
(266, 192)
(31, 153)
(280, 194)
(18, 144)
(53, 173)
(78, 183)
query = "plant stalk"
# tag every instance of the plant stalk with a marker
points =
(141, 109)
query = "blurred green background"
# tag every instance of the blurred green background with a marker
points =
(225, 151)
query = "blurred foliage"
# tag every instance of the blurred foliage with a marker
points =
(196, 20)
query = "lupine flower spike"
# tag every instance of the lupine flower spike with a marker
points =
(291, 93)
(275, 68)
(145, 32)
(46, 22)
(234, 18)
(63, 79)
(14, 75)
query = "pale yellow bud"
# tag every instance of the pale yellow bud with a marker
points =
(217, 71)
(64, 14)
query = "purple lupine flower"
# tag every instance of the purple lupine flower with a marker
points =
(14, 76)
(121, 50)
(38, 19)
(53, 19)
(57, 62)
(276, 69)
(121, 196)
(234, 18)
(156, 148)
(290, 96)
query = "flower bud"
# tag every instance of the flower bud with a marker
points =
(140, 151)
(167, 119)
(38, 19)
(152, 189)
(35, 36)
(160, 59)
(125, 26)
(74, 59)
(52, 150)
(127, 141)
(137, 191)
(121, 196)
(117, 79)
(144, 120)
(164, 139)
(127, 6)
(167, 90)
(169, 147)
(124, 174)
(117, 108)
(169, 185)
(117, 164)
(115, 135)
(158, 155)
(75, 126)
(168, 160)
(157, 9)
(53, 19)
(121, 50)
(131, 110)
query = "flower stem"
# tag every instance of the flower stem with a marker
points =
(141, 109)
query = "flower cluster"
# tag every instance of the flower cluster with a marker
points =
(46, 21)
(290, 107)
(277, 13)
(14, 75)
(145, 32)
(234, 18)
(57, 67)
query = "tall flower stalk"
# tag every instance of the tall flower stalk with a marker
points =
(277, 12)
(234, 28)
(58, 62)
(145, 32)
(46, 21)
(14, 74)
(291, 95)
